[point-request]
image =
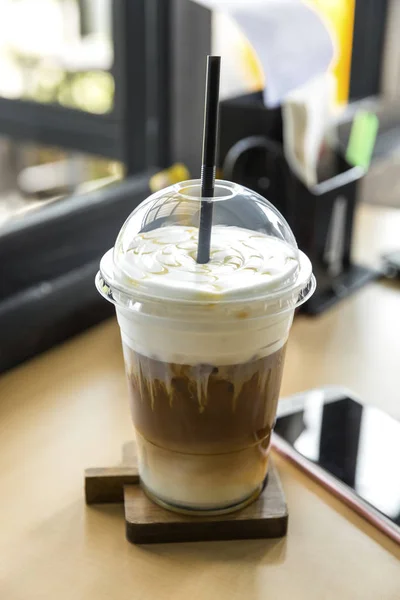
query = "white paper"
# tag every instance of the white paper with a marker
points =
(307, 114)
(291, 40)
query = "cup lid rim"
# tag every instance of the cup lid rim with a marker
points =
(285, 296)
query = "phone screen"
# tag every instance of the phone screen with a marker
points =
(357, 444)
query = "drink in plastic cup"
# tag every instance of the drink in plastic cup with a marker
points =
(204, 345)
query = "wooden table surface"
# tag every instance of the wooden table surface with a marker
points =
(68, 409)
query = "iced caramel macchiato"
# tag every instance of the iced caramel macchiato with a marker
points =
(204, 347)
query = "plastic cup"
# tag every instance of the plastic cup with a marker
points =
(204, 345)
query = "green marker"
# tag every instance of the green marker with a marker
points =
(362, 139)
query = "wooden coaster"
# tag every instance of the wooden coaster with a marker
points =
(146, 522)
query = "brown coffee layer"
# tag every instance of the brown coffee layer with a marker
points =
(204, 408)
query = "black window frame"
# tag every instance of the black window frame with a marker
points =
(135, 131)
(367, 50)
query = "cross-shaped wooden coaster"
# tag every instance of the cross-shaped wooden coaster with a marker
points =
(146, 522)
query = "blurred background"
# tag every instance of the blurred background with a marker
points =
(101, 103)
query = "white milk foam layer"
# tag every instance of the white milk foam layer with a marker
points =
(213, 343)
(243, 264)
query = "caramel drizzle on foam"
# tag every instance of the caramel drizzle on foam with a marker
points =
(179, 243)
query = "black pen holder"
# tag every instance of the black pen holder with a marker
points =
(321, 217)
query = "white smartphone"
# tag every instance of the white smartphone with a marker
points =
(350, 448)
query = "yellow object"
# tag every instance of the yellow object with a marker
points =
(174, 174)
(339, 16)
(253, 71)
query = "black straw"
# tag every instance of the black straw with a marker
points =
(210, 132)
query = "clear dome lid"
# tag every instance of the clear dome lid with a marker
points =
(253, 252)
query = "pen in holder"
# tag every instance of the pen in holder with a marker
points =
(321, 217)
